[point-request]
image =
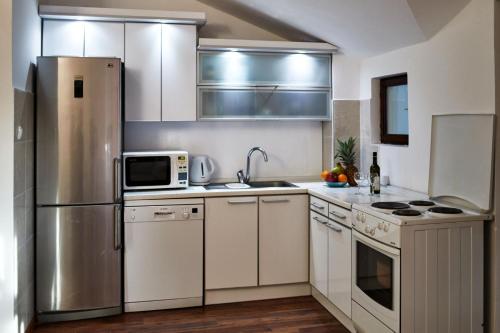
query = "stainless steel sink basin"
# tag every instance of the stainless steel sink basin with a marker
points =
(263, 184)
(272, 183)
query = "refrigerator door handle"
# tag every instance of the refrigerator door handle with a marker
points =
(118, 234)
(117, 165)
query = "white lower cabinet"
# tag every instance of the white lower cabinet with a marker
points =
(339, 266)
(231, 238)
(330, 260)
(318, 270)
(283, 239)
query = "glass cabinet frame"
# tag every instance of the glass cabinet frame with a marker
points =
(262, 86)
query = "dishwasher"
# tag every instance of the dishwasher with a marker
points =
(163, 255)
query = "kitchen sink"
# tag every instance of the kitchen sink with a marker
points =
(262, 184)
(272, 183)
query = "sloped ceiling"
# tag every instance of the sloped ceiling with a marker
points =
(358, 27)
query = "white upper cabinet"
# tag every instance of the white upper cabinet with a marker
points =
(178, 72)
(63, 38)
(105, 39)
(143, 71)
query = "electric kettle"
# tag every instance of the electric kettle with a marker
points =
(201, 170)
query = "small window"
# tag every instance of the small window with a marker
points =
(394, 110)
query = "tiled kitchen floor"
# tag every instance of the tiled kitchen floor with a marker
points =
(290, 315)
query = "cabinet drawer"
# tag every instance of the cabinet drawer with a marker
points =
(340, 215)
(319, 206)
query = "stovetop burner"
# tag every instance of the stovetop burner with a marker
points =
(445, 210)
(421, 203)
(390, 205)
(406, 212)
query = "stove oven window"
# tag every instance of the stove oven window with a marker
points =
(374, 275)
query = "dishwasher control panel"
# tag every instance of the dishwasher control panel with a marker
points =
(163, 213)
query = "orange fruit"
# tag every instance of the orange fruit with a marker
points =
(342, 178)
(324, 174)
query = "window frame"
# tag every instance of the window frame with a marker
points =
(385, 137)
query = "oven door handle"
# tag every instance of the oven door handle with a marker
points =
(376, 245)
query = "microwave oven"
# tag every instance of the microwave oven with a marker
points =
(155, 170)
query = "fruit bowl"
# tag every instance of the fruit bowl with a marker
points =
(336, 184)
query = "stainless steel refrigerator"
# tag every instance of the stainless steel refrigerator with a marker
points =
(78, 188)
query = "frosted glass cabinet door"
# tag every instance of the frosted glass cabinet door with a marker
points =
(63, 38)
(178, 72)
(142, 72)
(263, 104)
(104, 39)
(257, 68)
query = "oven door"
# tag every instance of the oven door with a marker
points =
(147, 172)
(376, 279)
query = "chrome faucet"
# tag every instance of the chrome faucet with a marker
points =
(245, 177)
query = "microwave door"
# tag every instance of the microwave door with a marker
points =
(148, 172)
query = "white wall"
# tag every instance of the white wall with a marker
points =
(451, 73)
(294, 148)
(7, 246)
(27, 42)
(346, 71)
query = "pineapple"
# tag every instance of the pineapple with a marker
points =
(347, 155)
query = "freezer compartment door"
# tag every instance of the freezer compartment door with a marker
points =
(78, 131)
(78, 258)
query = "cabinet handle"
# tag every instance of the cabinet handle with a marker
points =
(275, 200)
(319, 220)
(231, 202)
(118, 234)
(334, 227)
(340, 216)
(317, 206)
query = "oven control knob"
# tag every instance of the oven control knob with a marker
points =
(386, 227)
(372, 232)
(185, 215)
(368, 230)
(358, 216)
(363, 218)
(380, 225)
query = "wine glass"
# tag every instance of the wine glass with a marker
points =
(358, 177)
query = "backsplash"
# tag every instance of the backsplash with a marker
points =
(294, 147)
(24, 205)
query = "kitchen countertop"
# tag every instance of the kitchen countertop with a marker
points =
(347, 196)
(344, 197)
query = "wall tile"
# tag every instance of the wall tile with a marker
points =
(20, 219)
(24, 205)
(19, 110)
(29, 164)
(19, 167)
(347, 123)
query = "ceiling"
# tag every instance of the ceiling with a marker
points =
(358, 27)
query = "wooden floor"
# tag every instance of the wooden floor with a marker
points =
(297, 314)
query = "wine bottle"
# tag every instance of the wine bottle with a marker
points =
(374, 176)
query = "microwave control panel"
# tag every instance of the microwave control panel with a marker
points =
(182, 169)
